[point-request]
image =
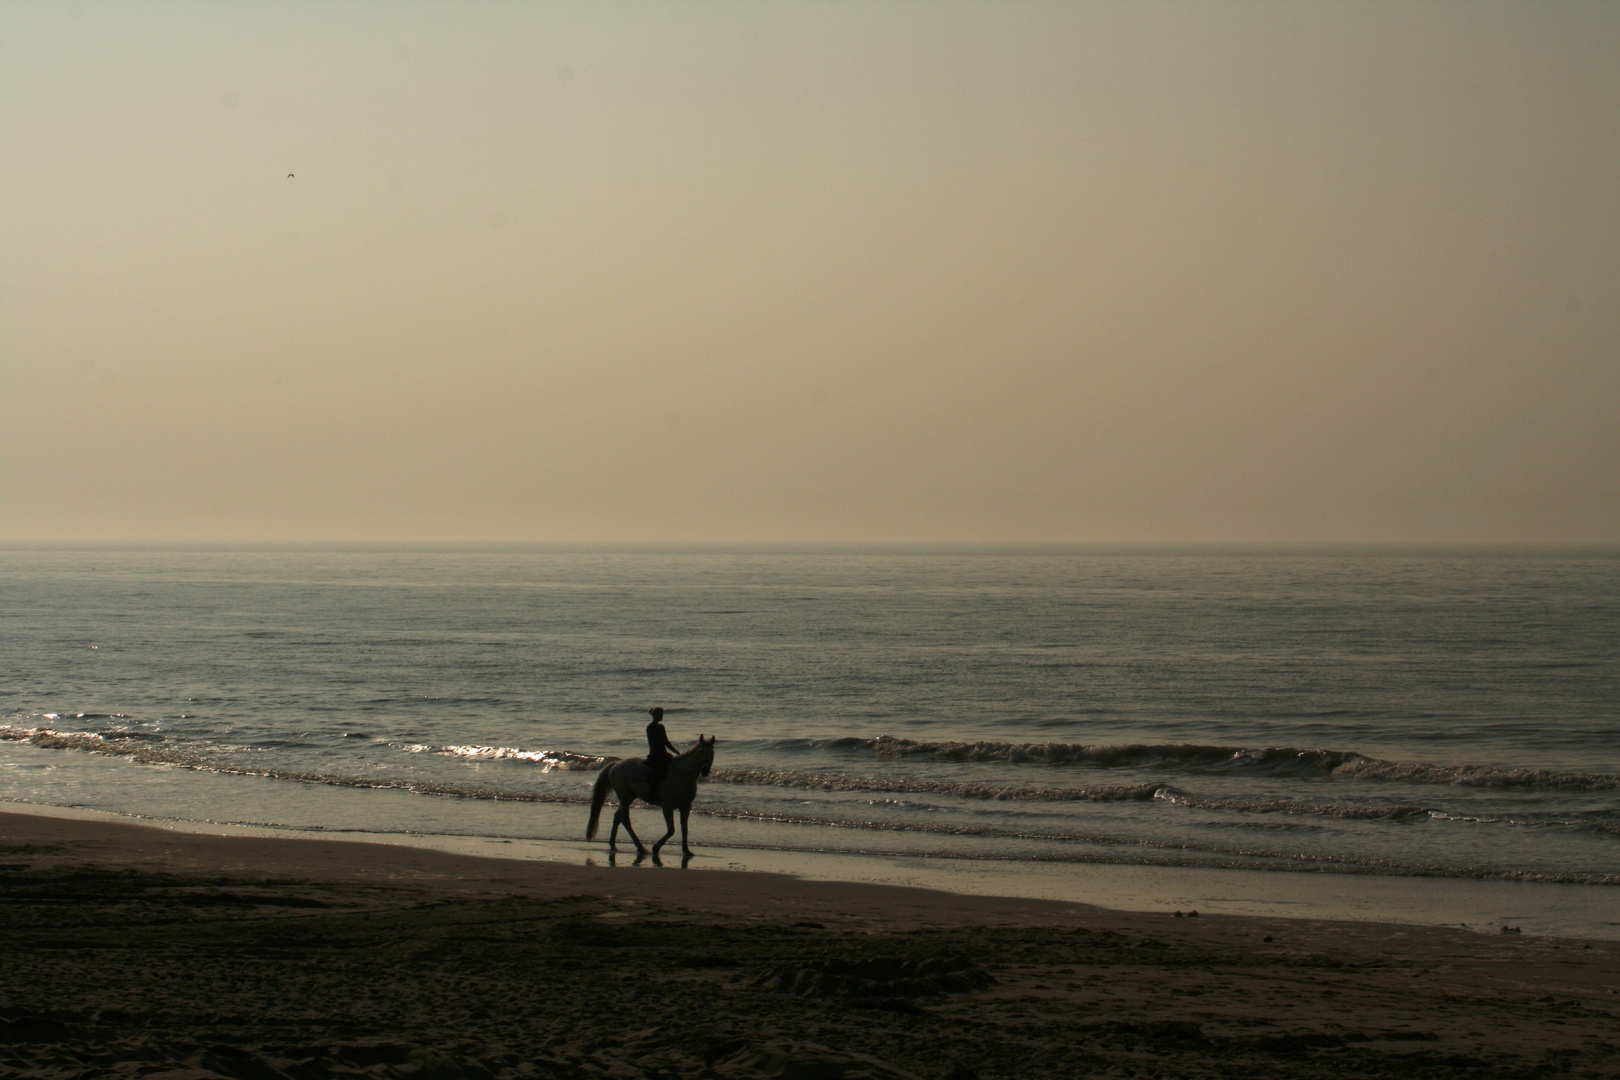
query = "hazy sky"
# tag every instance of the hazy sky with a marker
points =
(972, 272)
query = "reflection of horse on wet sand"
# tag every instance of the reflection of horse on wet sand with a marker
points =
(629, 781)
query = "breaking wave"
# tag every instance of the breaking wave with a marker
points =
(548, 760)
(1284, 761)
(133, 746)
(816, 781)
(147, 747)
(123, 744)
(1015, 793)
(1277, 760)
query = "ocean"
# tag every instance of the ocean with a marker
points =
(1434, 732)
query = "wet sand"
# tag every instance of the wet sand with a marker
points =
(132, 951)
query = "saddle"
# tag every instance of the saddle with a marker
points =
(641, 772)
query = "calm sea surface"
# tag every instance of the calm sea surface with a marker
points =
(1430, 715)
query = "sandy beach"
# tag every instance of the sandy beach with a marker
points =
(135, 951)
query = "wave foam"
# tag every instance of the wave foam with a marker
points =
(1276, 760)
(834, 782)
(1125, 793)
(548, 760)
(155, 755)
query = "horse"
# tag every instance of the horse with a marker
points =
(629, 778)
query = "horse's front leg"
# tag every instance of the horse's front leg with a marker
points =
(669, 829)
(686, 812)
(623, 815)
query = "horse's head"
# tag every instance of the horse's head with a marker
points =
(705, 754)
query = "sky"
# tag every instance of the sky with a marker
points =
(764, 272)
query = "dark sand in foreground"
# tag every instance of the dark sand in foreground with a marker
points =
(128, 951)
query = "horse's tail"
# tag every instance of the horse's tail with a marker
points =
(599, 796)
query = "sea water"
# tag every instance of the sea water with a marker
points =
(1327, 723)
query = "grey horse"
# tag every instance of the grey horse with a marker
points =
(628, 780)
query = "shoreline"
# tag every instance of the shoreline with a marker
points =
(236, 956)
(260, 852)
(1480, 906)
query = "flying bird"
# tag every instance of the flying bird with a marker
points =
(289, 176)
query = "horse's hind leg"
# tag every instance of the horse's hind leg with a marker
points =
(622, 815)
(669, 829)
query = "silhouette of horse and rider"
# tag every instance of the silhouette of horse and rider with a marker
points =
(667, 778)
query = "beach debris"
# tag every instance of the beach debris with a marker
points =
(1192, 914)
(878, 978)
(1510, 930)
(1178, 915)
(1266, 939)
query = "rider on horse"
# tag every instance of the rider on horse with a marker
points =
(659, 749)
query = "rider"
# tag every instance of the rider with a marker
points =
(659, 749)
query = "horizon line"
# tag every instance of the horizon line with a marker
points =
(1034, 547)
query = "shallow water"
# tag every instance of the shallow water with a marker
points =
(1429, 716)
